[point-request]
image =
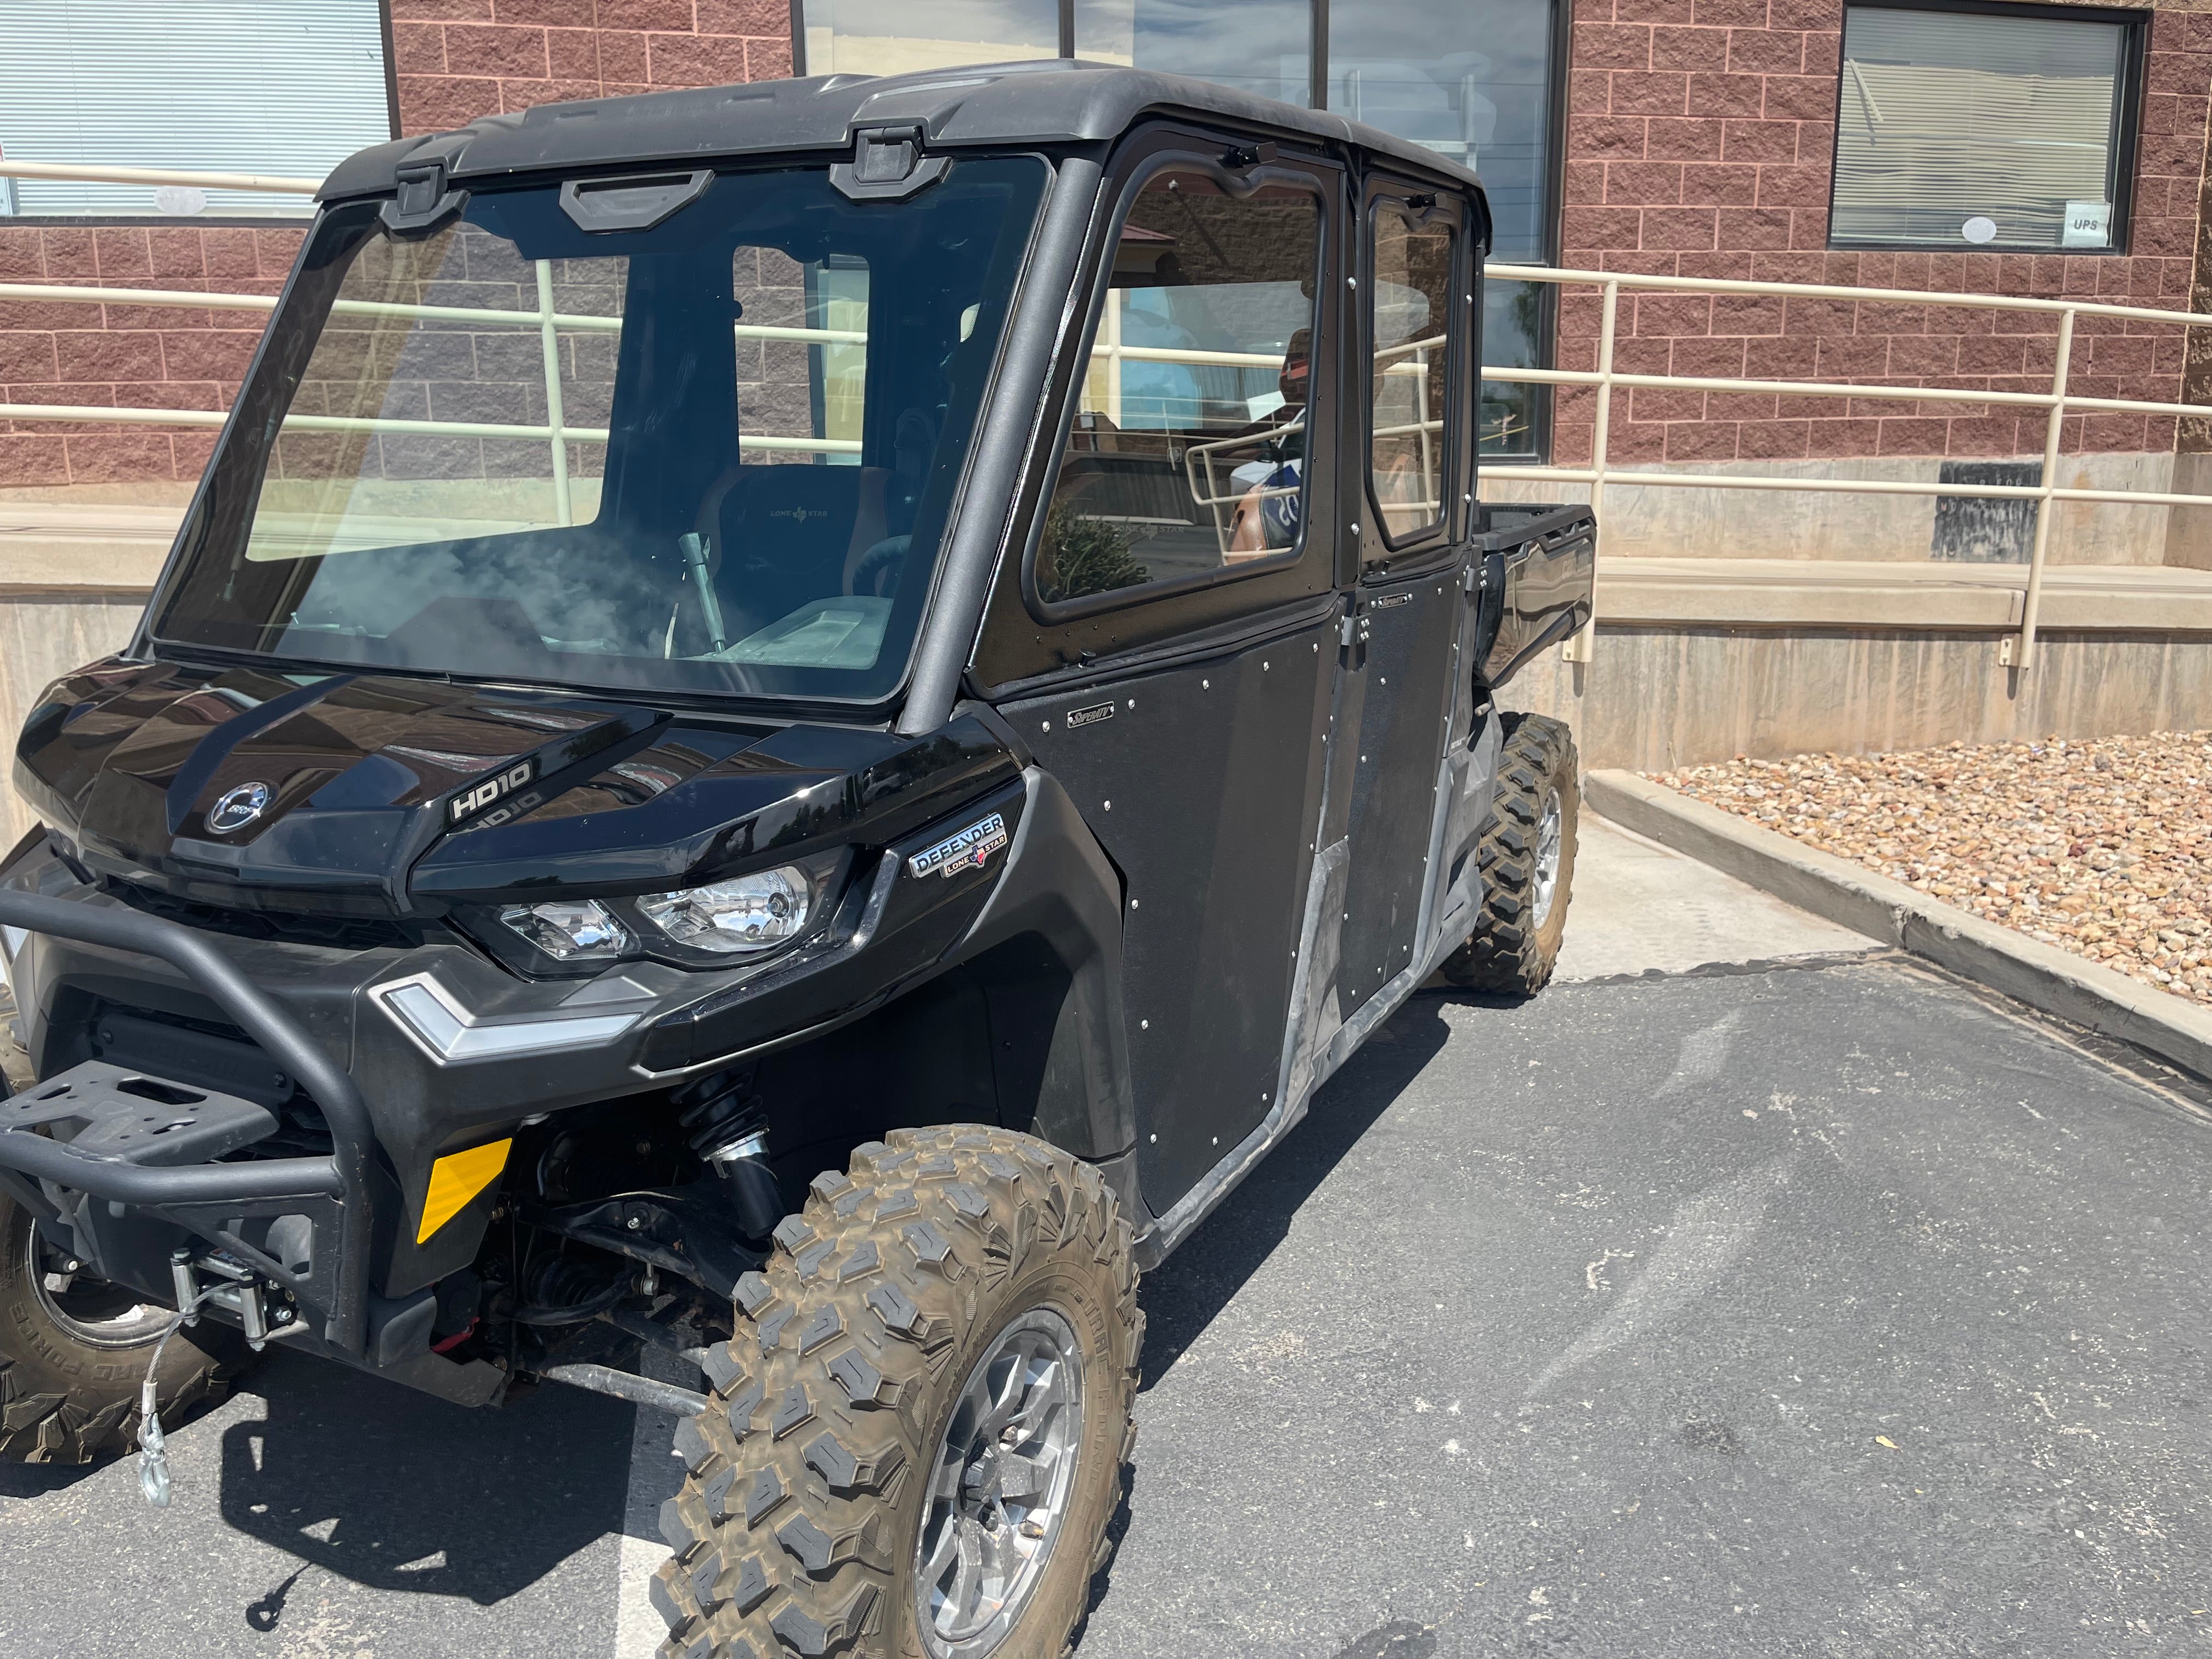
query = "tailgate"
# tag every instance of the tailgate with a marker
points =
(1537, 563)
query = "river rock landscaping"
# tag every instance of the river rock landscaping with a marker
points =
(2102, 846)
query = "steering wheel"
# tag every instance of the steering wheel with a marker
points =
(887, 555)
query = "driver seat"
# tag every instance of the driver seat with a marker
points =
(781, 533)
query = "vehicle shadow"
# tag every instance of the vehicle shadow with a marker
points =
(1182, 1296)
(398, 1491)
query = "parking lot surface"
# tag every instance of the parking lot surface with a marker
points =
(1818, 1307)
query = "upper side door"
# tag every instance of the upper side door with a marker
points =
(1417, 323)
(1166, 640)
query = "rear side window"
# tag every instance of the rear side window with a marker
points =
(1187, 453)
(1410, 325)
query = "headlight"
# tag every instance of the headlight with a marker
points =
(570, 930)
(749, 913)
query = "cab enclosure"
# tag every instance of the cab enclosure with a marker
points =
(729, 625)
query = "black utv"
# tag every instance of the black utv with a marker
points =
(792, 723)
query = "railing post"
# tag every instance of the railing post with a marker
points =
(2019, 651)
(1113, 356)
(1579, 648)
(563, 508)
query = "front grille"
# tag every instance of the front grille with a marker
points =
(283, 927)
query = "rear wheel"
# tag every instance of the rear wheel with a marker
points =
(73, 1352)
(1527, 857)
(917, 1436)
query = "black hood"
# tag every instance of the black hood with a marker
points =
(384, 795)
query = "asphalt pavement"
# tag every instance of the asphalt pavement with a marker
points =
(1751, 1292)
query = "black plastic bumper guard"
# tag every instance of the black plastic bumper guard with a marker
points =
(343, 1175)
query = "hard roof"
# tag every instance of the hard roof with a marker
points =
(1054, 101)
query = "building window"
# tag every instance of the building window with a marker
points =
(1985, 126)
(284, 88)
(1260, 46)
(1476, 81)
(895, 37)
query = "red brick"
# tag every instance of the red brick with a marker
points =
(28, 355)
(1643, 357)
(1765, 52)
(1582, 182)
(1991, 354)
(1678, 229)
(23, 254)
(430, 103)
(1912, 436)
(1800, 97)
(1774, 440)
(418, 49)
(104, 356)
(1773, 142)
(766, 58)
(441, 11)
(1589, 92)
(113, 456)
(1669, 315)
(1700, 441)
(548, 14)
(122, 252)
(1693, 49)
(1883, 317)
(507, 53)
(177, 256)
(529, 94)
(1610, 139)
(1734, 14)
(1612, 45)
(1740, 406)
(1644, 183)
(695, 60)
(1754, 228)
(1684, 140)
(1649, 92)
(653, 16)
(1747, 313)
(1816, 145)
(1710, 358)
(1648, 404)
(207, 354)
(1599, 227)
(33, 458)
(1726, 94)
(1809, 228)
(622, 57)
(1852, 357)
(1844, 438)
(1648, 11)
(1726, 186)
(1636, 440)
(572, 54)
(762, 17)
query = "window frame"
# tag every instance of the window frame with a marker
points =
(1183, 151)
(2127, 126)
(1448, 206)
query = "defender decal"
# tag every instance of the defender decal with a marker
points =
(471, 801)
(1091, 716)
(966, 851)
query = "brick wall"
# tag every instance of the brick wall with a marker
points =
(1699, 143)
(454, 60)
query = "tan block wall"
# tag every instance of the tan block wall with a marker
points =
(1660, 697)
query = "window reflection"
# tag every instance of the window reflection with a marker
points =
(1473, 81)
(1262, 46)
(890, 37)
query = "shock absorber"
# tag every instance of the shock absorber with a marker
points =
(726, 1126)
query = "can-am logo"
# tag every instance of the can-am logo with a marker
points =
(238, 808)
(966, 851)
(491, 792)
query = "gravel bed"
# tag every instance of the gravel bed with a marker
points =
(2102, 847)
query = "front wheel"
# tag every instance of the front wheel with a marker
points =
(1526, 856)
(917, 1436)
(74, 1350)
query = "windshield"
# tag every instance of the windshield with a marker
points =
(712, 455)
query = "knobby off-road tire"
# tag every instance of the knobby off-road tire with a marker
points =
(1527, 857)
(800, 1525)
(70, 1365)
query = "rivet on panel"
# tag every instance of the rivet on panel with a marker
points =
(1047, 726)
(1109, 805)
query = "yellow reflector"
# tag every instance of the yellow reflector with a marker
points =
(455, 1179)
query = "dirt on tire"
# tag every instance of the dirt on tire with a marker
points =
(796, 1527)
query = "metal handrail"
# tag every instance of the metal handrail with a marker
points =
(2017, 651)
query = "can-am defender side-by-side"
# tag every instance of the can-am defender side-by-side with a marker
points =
(794, 721)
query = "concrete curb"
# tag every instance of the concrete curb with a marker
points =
(2041, 975)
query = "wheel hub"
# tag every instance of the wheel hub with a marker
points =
(97, 1313)
(1000, 1489)
(1547, 879)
